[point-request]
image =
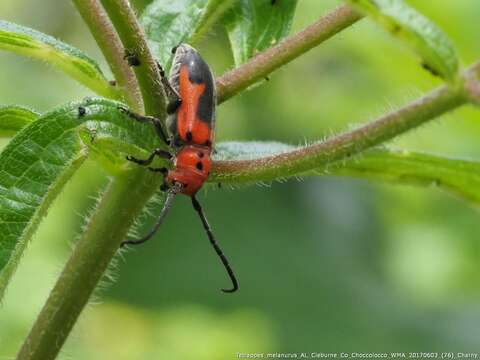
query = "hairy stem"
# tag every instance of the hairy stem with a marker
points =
(109, 43)
(472, 86)
(290, 48)
(123, 200)
(347, 144)
(133, 38)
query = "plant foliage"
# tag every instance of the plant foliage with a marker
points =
(45, 150)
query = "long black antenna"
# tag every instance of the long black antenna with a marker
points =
(174, 190)
(206, 226)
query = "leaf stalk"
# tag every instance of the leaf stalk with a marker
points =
(258, 67)
(348, 144)
(109, 43)
(133, 39)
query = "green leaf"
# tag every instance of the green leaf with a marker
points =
(169, 23)
(14, 118)
(458, 177)
(37, 163)
(255, 25)
(417, 32)
(28, 42)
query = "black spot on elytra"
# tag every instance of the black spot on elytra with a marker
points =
(189, 136)
(206, 103)
(81, 111)
(200, 154)
(199, 165)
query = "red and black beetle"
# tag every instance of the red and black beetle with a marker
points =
(191, 123)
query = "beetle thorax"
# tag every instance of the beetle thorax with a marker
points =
(192, 167)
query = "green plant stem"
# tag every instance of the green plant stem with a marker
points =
(132, 36)
(123, 200)
(109, 43)
(472, 86)
(290, 48)
(348, 144)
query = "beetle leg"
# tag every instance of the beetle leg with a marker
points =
(173, 105)
(164, 187)
(162, 170)
(157, 152)
(174, 99)
(145, 119)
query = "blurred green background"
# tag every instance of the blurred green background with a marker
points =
(325, 264)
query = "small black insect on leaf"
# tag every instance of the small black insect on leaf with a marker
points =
(396, 29)
(81, 111)
(131, 58)
(430, 69)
